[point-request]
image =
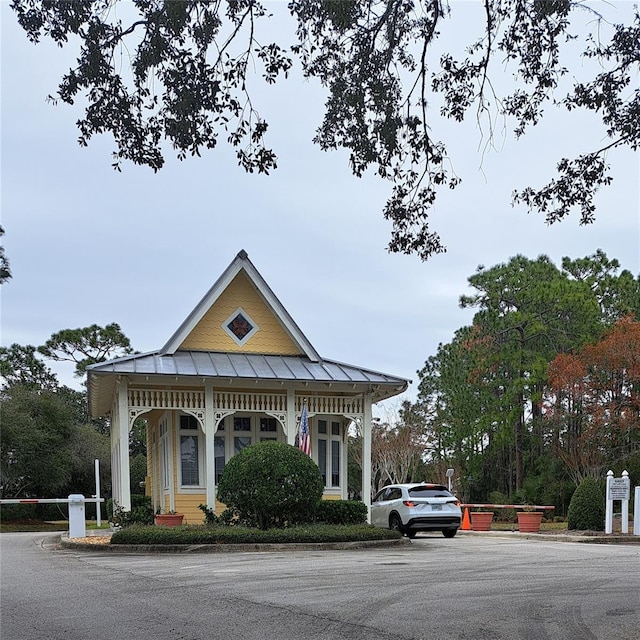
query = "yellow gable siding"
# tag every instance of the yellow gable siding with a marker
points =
(208, 334)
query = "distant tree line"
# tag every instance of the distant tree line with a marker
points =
(48, 442)
(540, 392)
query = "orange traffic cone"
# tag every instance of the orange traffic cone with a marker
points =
(466, 523)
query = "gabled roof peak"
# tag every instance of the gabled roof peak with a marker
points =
(241, 263)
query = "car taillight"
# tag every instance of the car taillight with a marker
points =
(408, 503)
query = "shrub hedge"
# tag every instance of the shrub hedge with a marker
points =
(326, 512)
(271, 484)
(587, 506)
(341, 512)
(138, 534)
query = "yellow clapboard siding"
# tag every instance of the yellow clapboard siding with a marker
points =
(187, 504)
(271, 338)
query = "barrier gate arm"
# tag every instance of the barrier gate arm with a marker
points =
(76, 502)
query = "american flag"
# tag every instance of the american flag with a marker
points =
(304, 441)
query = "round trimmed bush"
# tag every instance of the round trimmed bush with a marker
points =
(587, 507)
(271, 484)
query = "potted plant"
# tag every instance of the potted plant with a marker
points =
(168, 518)
(529, 520)
(481, 520)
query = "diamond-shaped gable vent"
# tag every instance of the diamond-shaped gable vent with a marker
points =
(239, 326)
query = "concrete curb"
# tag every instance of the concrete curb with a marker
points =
(65, 543)
(557, 537)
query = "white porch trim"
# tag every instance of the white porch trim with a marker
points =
(210, 427)
(122, 430)
(209, 405)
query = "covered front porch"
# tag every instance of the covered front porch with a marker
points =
(193, 432)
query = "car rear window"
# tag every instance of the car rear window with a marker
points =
(429, 492)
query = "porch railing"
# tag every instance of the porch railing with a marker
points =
(242, 401)
(166, 399)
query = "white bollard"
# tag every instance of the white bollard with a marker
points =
(636, 513)
(77, 524)
(624, 525)
(608, 514)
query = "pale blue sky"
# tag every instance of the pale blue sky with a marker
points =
(89, 245)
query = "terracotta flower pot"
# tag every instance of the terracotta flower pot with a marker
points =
(169, 519)
(529, 521)
(481, 520)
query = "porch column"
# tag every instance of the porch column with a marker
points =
(115, 458)
(291, 417)
(366, 454)
(344, 461)
(209, 446)
(123, 450)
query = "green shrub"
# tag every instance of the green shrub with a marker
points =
(341, 512)
(227, 518)
(137, 473)
(141, 512)
(502, 515)
(40, 512)
(587, 507)
(137, 500)
(241, 535)
(209, 514)
(271, 484)
(17, 512)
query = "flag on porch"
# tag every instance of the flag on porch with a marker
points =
(304, 441)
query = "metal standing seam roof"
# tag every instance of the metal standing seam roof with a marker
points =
(243, 366)
(173, 362)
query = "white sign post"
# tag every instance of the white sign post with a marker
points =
(617, 489)
(450, 473)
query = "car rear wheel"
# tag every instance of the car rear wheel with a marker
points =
(395, 523)
(449, 533)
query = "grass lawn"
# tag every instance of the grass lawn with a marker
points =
(35, 525)
(513, 526)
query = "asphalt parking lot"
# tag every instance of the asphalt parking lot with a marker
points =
(470, 587)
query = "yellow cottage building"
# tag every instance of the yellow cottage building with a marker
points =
(237, 371)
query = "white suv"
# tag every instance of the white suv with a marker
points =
(419, 506)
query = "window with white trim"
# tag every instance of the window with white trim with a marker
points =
(191, 450)
(242, 436)
(238, 431)
(219, 448)
(268, 429)
(329, 449)
(165, 456)
(240, 327)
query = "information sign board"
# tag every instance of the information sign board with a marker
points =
(619, 488)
